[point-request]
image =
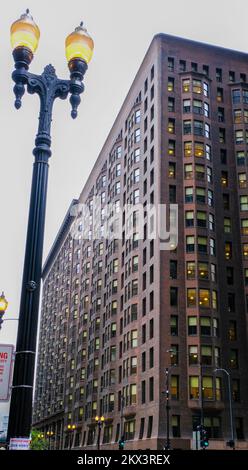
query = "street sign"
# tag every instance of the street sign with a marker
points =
(19, 443)
(6, 359)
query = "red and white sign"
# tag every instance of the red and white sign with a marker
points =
(6, 360)
(19, 443)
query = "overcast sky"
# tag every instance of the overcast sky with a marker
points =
(122, 31)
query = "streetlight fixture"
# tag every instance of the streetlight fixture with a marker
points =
(25, 36)
(71, 428)
(99, 420)
(3, 307)
(231, 442)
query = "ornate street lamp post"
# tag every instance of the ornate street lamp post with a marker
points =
(99, 420)
(79, 49)
(71, 428)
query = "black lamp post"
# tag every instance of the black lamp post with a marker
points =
(231, 442)
(99, 420)
(79, 48)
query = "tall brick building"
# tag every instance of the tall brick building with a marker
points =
(112, 311)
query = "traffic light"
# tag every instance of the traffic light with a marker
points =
(121, 443)
(203, 438)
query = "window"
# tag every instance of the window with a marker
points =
(171, 64)
(189, 219)
(175, 424)
(205, 326)
(221, 115)
(182, 65)
(244, 226)
(172, 170)
(173, 296)
(190, 269)
(172, 194)
(193, 355)
(198, 127)
(201, 218)
(207, 130)
(170, 86)
(243, 203)
(194, 388)
(231, 76)
(174, 387)
(134, 339)
(210, 198)
(213, 272)
(197, 107)
(220, 95)
(192, 326)
(231, 302)
(186, 106)
(206, 355)
(197, 86)
(202, 244)
(208, 152)
(239, 137)
(203, 270)
(199, 149)
(129, 430)
(186, 85)
(188, 171)
(173, 269)
(133, 394)
(204, 298)
(200, 195)
(200, 172)
(222, 135)
(240, 156)
(219, 75)
(227, 225)
(205, 89)
(237, 116)
(151, 388)
(189, 194)
(171, 147)
(245, 96)
(137, 116)
(191, 298)
(137, 135)
(187, 127)
(187, 149)
(233, 359)
(236, 390)
(149, 426)
(174, 325)
(239, 425)
(171, 104)
(190, 244)
(232, 330)
(242, 180)
(207, 385)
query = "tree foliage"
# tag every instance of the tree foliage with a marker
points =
(37, 441)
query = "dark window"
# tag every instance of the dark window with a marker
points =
(143, 391)
(142, 427)
(151, 388)
(149, 428)
(173, 296)
(173, 269)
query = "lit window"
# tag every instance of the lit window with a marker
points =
(191, 298)
(204, 298)
(199, 149)
(171, 147)
(228, 250)
(242, 180)
(134, 339)
(190, 269)
(193, 355)
(172, 170)
(171, 126)
(244, 226)
(187, 149)
(194, 388)
(245, 250)
(186, 85)
(170, 86)
(203, 270)
(207, 386)
(197, 86)
(237, 116)
(218, 389)
(214, 300)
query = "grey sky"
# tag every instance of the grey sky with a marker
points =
(122, 31)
